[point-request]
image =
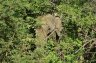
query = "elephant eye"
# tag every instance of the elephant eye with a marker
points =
(49, 28)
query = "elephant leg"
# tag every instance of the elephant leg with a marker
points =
(58, 35)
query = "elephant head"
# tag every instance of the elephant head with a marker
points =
(51, 27)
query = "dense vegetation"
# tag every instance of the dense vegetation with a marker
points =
(17, 35)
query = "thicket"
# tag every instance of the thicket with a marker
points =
(17, 35)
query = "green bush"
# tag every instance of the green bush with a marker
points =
(17, 31)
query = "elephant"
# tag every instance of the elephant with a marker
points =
(51, 27)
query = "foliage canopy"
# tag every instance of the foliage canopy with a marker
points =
(18, 21)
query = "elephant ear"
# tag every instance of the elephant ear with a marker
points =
(39, 22)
